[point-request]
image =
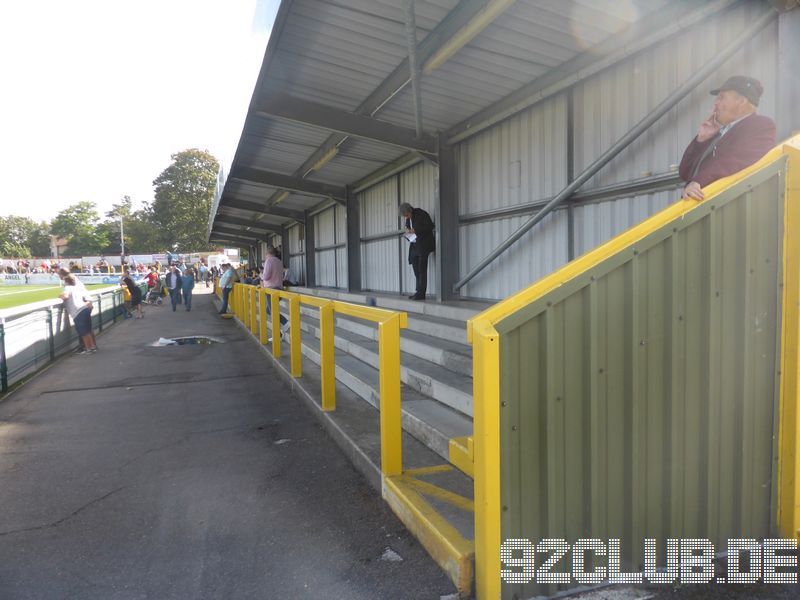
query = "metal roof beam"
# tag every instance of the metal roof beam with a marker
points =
(291, 108)
(228, 219)
(240, 233)
(231, 239)
(656, 27)
(440, 35)
(278, 211)
(288, 182)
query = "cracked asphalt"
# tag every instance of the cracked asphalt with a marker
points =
(187, 472)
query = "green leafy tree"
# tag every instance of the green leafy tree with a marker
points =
(183, 196)
(78, 224)
(24, 237)
(141, 234)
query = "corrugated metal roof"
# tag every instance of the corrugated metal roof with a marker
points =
(339, 53)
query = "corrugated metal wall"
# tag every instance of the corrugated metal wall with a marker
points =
(524, 159)
(385, 265)
(380, 262)
(521, 160)
(640, 398)
(330, 237)
(296, 253)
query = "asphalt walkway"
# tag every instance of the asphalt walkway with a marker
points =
(187, 472)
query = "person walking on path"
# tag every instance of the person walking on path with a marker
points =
(135, 292)
(174, 284)
(79, 307)
(187, 285)
(203, 272)
(226, 285)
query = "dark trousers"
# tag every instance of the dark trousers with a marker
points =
(419, 263)
(269, 310)
(175, 297)
(187, 298)
(225, 293)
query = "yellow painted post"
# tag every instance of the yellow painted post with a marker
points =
(294, 332)
(247, 311)
(391, 416)
(234, 300)
(789, 421)
(253, 310)
(328, 359)
(276, 324)
(486, 424)
(263, 333)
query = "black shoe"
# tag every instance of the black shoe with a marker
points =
(412, 297)
(417, 297)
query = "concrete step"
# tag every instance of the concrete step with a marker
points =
(455, 356)
(445, 329)
(451, 388)
(460, 310)
(428, 420)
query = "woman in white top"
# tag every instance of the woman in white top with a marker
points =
(79, 308)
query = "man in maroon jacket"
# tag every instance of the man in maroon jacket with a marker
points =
(731, 138)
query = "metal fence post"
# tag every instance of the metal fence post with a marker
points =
(262, 316)
(294, 334)
(3, 363)
(51, 342)
(327, 349)
(275, 301)
(100, 311)
(391, 415)
(114, 307)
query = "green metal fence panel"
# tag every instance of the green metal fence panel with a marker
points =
(640, 399)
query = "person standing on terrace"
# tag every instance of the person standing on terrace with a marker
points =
(731, 138)
(272, 278)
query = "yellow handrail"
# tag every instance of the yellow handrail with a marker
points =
(250, 309)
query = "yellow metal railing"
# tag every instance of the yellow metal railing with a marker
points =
(250, 307)
(483, 336)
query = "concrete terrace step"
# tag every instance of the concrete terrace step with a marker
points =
(449, 388)
(428, 420)
(453, 355)
(446, 329)
(460, 310)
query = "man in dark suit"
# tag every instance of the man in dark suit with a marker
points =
(419, 224)
(731, 138)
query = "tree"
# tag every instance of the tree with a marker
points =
(141, 234)
(23, 237)
(183, 195)
(78, 224)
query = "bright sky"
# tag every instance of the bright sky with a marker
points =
(97, 94)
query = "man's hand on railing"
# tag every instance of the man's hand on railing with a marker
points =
(693, 190)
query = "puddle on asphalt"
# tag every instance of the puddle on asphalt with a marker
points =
(192, 340)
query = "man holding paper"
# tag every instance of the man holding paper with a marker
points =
(419, 234)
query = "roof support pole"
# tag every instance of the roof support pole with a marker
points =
(285, 247)
(667, 104)
(413, 67)
(447, 228)
(353, 242)
(311, 273)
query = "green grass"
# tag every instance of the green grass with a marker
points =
(17, 295)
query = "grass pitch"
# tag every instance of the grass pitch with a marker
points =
(17, 295)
